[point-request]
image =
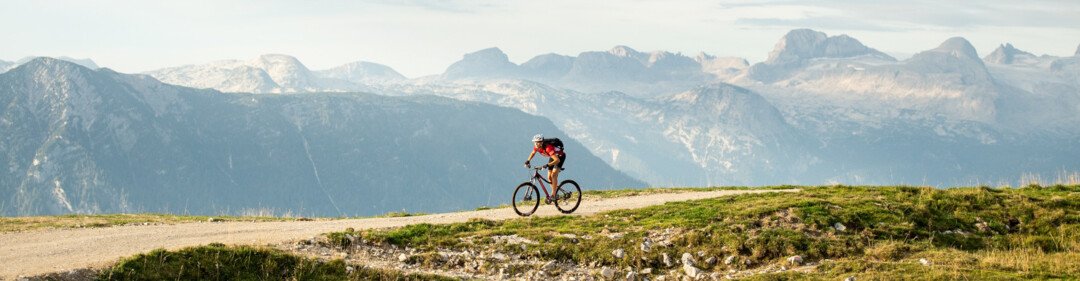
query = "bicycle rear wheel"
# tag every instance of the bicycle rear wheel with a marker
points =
(526, 199)
(569, 197)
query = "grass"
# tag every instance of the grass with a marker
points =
(967, 233)
(14, 224)
(220, 262)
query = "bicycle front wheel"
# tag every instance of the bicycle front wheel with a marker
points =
(526, 199)
(569, 197)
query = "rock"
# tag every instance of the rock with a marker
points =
(631, 276)
(618, 253)
(729, 259)
(714, 276)
(852, 278)
(840, 227)
(690, 270)
(710, 261)
(607, 273)
(349, 269)
(982, 226)
(646, 245)
(647, 270)
(402, 257)
(924, 261)
(549, 266)
(701, 254)
(667, 260)
(213, 220)
(748, 262)
(687, 259)
(500, 257)
(795, 260)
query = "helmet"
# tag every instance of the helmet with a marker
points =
(538, 137)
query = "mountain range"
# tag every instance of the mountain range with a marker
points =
(820, 109)
(77, 140)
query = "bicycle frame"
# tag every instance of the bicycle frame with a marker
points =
(537, 178)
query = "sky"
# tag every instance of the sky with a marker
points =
(423, 37)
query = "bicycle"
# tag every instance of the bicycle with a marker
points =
(567, 195)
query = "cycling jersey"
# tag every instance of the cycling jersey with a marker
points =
(549, 150)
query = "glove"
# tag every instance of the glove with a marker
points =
(549, 166)
(526, 163)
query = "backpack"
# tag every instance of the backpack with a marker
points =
(555, 141)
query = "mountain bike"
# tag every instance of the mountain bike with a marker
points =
(567, 196)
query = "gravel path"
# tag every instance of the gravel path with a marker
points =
(45, 251)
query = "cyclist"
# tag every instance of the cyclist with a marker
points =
(557, 158)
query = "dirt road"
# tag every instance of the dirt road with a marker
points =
(39, 252)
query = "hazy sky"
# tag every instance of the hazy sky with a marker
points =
(422, 37)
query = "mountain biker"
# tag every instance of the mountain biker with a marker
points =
(557, 158)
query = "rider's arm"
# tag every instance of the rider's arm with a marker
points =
(533, 153)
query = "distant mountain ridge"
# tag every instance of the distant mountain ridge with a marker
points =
(848, 112)
(273, 73)
(78, 140)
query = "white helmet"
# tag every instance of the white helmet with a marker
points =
(538, 137)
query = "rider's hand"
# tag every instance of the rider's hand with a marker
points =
(526, 163)
(549, 166)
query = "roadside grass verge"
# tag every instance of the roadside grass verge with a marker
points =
(869, 232)
(14, 224)
(220, 262)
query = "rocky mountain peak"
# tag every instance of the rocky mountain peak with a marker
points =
(958, 47)
(88, 63)
(51, 68)
(802, 44)
(624, 51)
(1005, 54)
(490, 62)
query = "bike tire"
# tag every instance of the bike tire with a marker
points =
(527, 206)
(569, 197)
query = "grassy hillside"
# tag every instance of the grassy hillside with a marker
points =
(838, 232)
(219, 262)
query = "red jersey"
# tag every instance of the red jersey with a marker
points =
(549, 150)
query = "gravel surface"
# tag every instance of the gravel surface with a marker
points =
(45, 251)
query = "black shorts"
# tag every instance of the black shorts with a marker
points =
(563, 161)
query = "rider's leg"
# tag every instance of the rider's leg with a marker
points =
(554, 177)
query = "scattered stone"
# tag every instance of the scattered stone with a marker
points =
(982, 226)
(631, 276)
(402, 257)
(730, 259)
(690, 270)
(349, 269)
(500, 257)
(618, 253)
(646, 245)
(607, 273)
(924, 261)
(646, 271)
(687, 259)
(748, 262)
(710, 261)
(701, 254)
(840, 227)
(714, 276)
(549, 266)
(667, 260)
(795, 260)
(852, 278)
(213, 219)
